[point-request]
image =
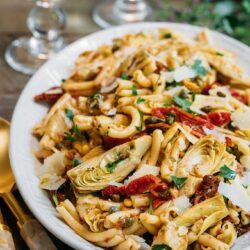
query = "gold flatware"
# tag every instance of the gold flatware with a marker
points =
(31, 231)
(6, 239)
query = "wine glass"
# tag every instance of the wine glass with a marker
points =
(46, 22)
(115, 12)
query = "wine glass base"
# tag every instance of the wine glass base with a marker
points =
(21, 57)
(107, 13)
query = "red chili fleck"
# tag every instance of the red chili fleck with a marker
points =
(219, 118)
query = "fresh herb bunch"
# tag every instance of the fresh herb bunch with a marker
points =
(227, 16)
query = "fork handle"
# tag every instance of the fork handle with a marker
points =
(6, 239)
(35, 236)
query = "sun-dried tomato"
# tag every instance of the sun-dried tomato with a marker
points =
(229, 141)
(146, 183)
(219, 118)
(242, 229)
(205, 91)
(157, 202)
(50, 95)
(110, 142)
(207, 189)
(193, 121)
(241, 97)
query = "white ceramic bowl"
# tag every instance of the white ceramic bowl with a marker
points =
(27, 114)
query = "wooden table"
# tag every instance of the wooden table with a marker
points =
(13, 14)
(12, 25)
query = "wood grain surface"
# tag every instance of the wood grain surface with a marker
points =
(13, 14)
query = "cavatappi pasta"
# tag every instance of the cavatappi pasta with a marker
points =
(147, 144)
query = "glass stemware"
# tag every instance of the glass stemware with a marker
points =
(46, 21)
(115, 12)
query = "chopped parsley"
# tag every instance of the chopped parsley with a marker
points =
(170, 69)
(134, 90)
(167, 35)
(183, 103)
(74, 136)
(124, 76)
(111, 166)
(230, 126)
(219, 54)
(161, 247)
(76, 162)
(227, 173)
(68, 137)
(140, 100)
(198, 68)
(178, 181)
(138, 128)
(69, 113)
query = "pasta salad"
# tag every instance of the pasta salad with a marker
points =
(147, 144)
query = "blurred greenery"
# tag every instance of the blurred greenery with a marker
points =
(227, 16)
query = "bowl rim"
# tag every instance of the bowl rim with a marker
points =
(14, 121)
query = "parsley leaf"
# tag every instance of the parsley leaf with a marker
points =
(140, 100)
(76, 162)
(198, 68)
(178, 181)
(172, 84)
(183, 103)
(124, 76)
(69, 114)
(68, 137)
(227, 173)
(219, 54)
(138, 128)
(111, 166)
(77, 133)
(134, 90)
(161, 247)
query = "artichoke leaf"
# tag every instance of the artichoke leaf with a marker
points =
(205, 157)
(114, 165)
(212, 209)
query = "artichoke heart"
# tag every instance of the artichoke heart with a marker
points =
(205, 157)
(112, 166)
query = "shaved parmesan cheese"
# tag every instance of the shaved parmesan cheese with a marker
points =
(215, 133)
(220, 90)
(140, 240)
(51, 182)
(116, 184)
(183, 73)
(245, 161)
(245, 180)
(109, 88)
(241, 119)
(236, 194)
(179, 74)
(214, 102)
(111, 112)
(176, 90)
(182, 204)
(54, 164)
(143, 170)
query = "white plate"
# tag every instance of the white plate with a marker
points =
(27, 114)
